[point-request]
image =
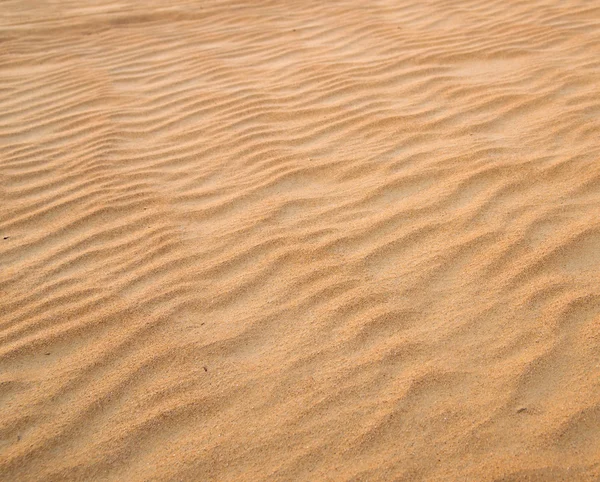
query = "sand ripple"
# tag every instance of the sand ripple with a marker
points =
(300, 240)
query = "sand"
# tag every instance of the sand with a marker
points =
(300, 240)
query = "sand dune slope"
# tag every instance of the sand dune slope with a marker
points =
(300, 240)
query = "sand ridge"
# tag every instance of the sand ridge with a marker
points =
(300, 240)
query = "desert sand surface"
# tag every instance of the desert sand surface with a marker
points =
(301, 240)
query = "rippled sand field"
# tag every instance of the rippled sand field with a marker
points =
(301, 240)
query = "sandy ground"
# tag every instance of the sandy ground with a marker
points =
(300, 240)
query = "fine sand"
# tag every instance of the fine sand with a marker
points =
(298, 240)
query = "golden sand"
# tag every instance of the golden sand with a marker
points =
(300, 240)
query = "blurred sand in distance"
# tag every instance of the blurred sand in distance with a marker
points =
(273, 240)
